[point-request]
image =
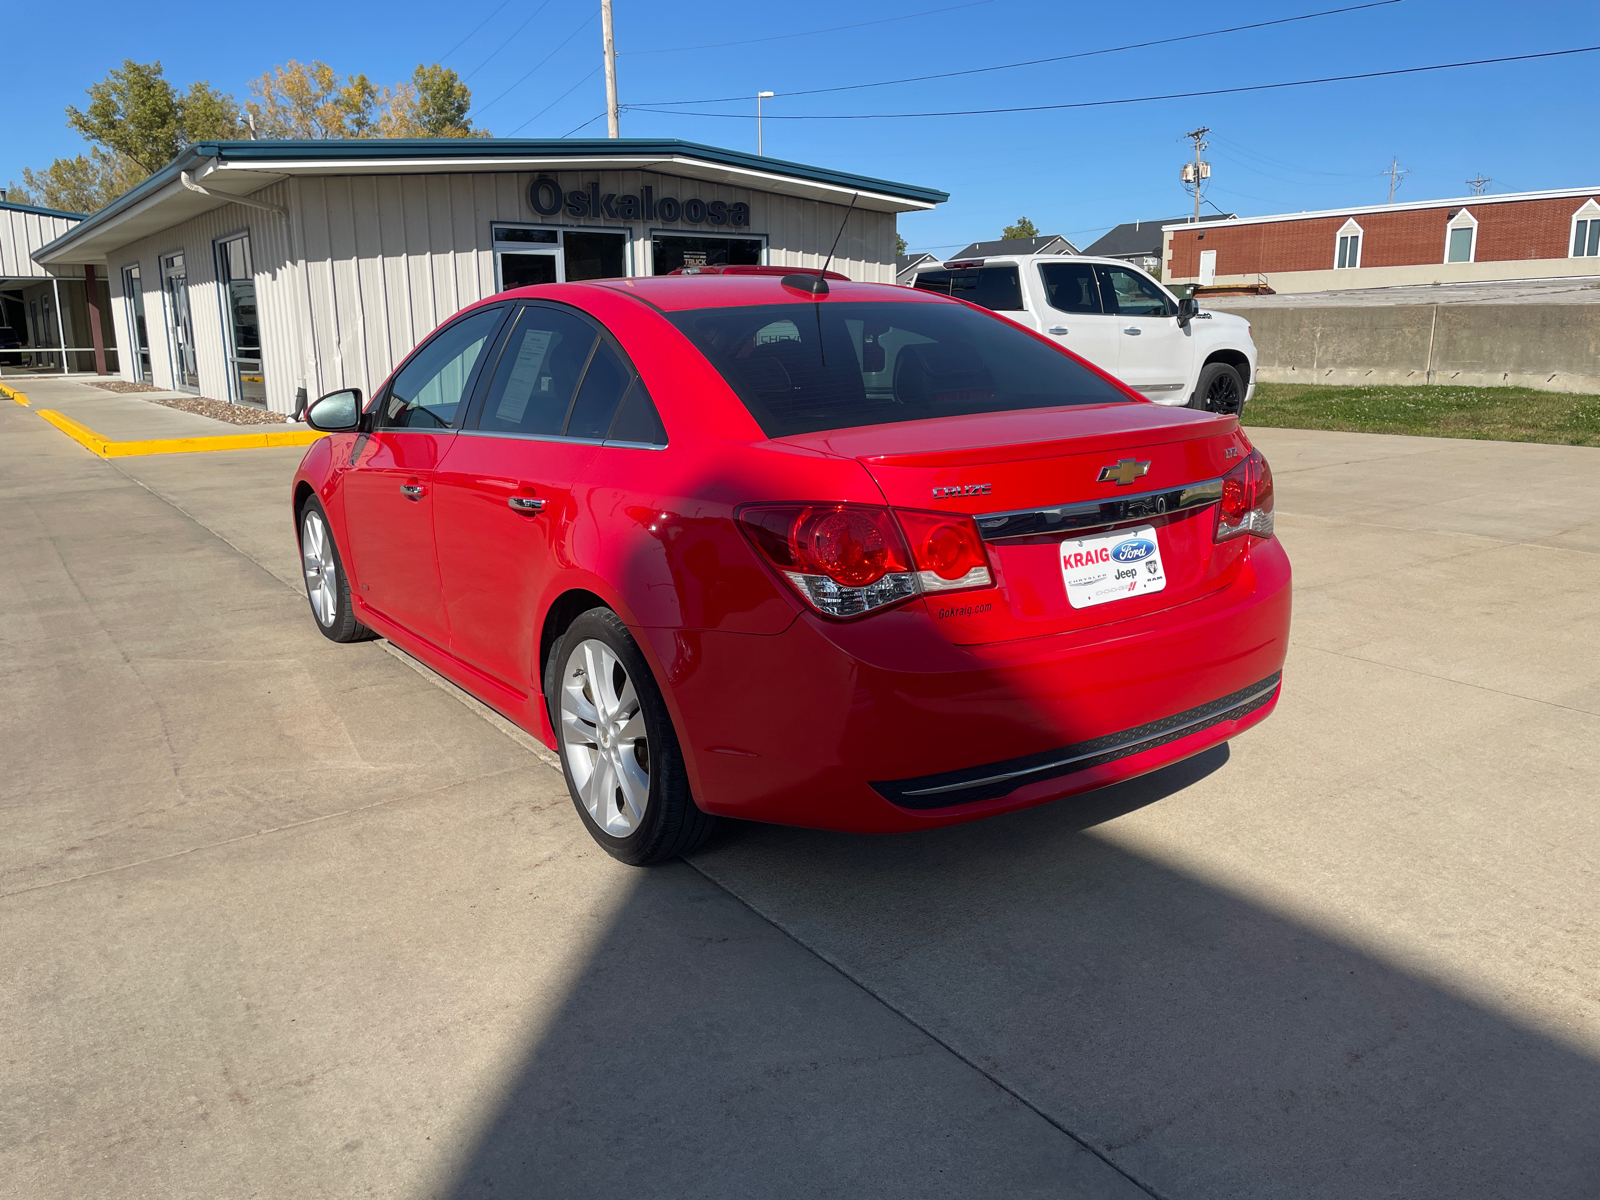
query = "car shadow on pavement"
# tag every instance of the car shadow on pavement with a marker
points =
(1203, 1044)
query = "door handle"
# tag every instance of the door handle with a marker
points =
(412, 491)
(1058, 329)
(1133, 329)
(526, 504)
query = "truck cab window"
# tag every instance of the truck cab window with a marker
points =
(997, 288)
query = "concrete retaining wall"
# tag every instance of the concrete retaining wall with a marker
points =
(1554, 347)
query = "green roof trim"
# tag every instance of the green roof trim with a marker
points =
(43, 212)
(265, 153)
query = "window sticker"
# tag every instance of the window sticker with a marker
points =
(524, 376)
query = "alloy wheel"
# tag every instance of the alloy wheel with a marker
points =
(321, 571)
(603, 734)
(1223, 394)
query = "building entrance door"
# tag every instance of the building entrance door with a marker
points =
(244, 323)
(133, 292)
(180, 326)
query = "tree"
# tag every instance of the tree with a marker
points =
(315, 102)
(900, 246)
(81, 185)
(135, 114)
(1024, 228)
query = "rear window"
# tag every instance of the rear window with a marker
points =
(995, 288)
(800, 368)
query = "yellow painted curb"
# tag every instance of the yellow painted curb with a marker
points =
(106, 448)
(14, 394)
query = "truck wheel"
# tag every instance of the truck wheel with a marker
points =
(1220, 390)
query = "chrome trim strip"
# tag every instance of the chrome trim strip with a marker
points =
(1096, 514)
(556, 437)
(1204, 719)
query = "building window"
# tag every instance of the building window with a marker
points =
(1348, 252)
(1461, 237)
(1586, 231)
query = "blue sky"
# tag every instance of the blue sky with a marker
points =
(1077, 172)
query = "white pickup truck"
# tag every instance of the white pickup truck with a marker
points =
(1118, 318)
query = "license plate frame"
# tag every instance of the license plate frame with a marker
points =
(1118, 564)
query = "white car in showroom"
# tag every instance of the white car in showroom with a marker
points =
(1122, 320)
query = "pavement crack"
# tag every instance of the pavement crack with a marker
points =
(1148, 1189)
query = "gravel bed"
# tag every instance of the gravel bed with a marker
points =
(233, 414)
(121, 386)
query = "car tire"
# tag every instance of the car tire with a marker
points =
(619, 752)
(327, 583)
(1220, 390)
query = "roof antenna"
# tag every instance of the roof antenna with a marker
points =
(817, 284)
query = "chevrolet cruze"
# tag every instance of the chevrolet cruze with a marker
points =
(794, 549)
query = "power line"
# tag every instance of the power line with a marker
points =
(581, 26)
(575, 128)
(1034, 62)
(556, 101)
(984, 112)
(474, 32)
(779, 37)
(506, 41)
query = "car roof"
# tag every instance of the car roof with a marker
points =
(678, 293)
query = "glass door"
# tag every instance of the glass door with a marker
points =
(237, 274)
(185, 367)
(133, 293)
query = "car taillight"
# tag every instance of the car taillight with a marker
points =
(847, 560)
(946, 549)
(1246, 504)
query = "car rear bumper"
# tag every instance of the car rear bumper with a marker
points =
(883, 725)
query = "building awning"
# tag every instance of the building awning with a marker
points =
(231, 170)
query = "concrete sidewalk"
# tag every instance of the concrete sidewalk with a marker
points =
(282, 918)
(126, 417)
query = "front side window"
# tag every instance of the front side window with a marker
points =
(1460, 246)
(997, 288)
(1069, 287)
(1460, 237)
(429, 389)
(1349, 251)
(801, 368)
(1130, 294)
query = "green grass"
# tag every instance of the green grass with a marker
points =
(1497, 414)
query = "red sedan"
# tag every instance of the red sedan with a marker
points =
(841, 555)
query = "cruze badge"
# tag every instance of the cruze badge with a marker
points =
(963, 489)
(1124, 472)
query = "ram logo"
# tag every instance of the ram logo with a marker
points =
(1133, 550)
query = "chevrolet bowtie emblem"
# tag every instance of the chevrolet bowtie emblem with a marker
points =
(1125, 472)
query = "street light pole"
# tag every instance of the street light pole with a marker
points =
(760, 96)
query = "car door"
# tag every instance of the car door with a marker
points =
(507, 493)
(388, 497)
(1155, 352)
(1074, 315)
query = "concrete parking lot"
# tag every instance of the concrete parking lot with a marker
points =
(283, 918)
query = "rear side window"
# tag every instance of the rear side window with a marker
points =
(996, 288)
(558, 376)
(538, 373)
(800, 368)
(1070, 287)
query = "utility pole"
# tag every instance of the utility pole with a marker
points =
(1395, 173)
(1198, 171)
(612, 128)
(1477, 185)
(760, 96)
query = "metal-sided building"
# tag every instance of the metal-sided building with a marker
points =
(49, 320)
(271, 271)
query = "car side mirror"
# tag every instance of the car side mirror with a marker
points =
(1188, 310)
(337, 412)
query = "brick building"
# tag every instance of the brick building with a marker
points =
(1523, 235)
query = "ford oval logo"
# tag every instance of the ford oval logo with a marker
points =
(1133, 550)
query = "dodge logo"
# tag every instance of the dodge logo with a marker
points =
(1124, 473)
